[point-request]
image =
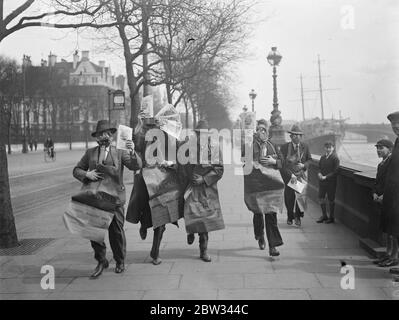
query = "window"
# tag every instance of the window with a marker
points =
(76, 115)
(94, 80)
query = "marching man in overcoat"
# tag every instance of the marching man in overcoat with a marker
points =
(104, 162)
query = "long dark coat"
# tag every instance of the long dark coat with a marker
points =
(141, 204)
(390, 202)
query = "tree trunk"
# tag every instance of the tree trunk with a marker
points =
(8, 232)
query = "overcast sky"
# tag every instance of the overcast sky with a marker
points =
(360, 56)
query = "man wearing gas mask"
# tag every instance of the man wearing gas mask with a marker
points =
(101, 168)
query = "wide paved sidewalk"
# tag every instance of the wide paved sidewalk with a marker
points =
(308, 268)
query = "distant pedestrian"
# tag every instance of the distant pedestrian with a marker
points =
(35, 143)
(390, 200)
(31, 145)
(264, 189)
(384, 151)
(328, 166)
(296, 162)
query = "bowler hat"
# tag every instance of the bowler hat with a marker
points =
(394, 116)
(202, 125)
(102, 125)
(295, 130)
(385, 143)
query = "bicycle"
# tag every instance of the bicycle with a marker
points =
(49, 154)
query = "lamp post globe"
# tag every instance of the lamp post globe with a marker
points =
(276, 130)
(252, 96)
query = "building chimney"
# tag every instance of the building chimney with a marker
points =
(101, 63)
(120, 82)
(75, 59)
(85, 55)
(52, 59)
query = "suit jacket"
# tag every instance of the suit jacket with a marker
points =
(112, 169)
(290, 166)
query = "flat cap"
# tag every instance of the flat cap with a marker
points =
(394, 116)
(385, 143)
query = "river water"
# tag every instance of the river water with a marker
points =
(362, 153)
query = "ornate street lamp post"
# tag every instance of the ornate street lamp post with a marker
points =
(276, 130)
(252, 96)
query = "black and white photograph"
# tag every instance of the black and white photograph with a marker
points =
(197, 156)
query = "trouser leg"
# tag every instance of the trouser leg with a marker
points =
(289, 200)
(272, 231)
(203, 242)
(259, 226)
(117, 238)
(156, 241)
(395, 247)
(323, 206)
(100, 251)
(332, 209)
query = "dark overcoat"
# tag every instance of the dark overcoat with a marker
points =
(390, 202)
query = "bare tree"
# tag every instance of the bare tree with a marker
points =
(85, 13)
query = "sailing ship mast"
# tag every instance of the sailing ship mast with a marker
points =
(303, 103)
(321, 89)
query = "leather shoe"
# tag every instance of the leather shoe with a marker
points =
(190, 238)
(330, 220)
(206, 257)
(156, 261)
(262, 243)
(120, 267)
(143, 233)
(289, 222)
(99, 269)
(273, 252)
(388, 263)
(394, 270)
(298, 222)
(322, 219)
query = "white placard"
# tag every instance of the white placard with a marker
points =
(298, 186)
(124, 133)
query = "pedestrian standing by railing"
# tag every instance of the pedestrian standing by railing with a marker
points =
(328, 166)
(390, 200)
(296, 162)
(384, 151)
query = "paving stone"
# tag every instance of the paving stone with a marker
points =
(263, 294)
(23, 296)
(29, 285)
(362, 279)
(340, 294)
(193, 294)
(97, 295)
(116, 282)
(233, 267)
(211, 281)
(281, 281)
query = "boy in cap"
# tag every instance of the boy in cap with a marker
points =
(384, 151)
(328, 165)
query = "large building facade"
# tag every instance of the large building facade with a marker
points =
(64, 100)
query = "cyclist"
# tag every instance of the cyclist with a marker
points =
(49, 146)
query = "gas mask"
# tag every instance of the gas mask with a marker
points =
(104, 140)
